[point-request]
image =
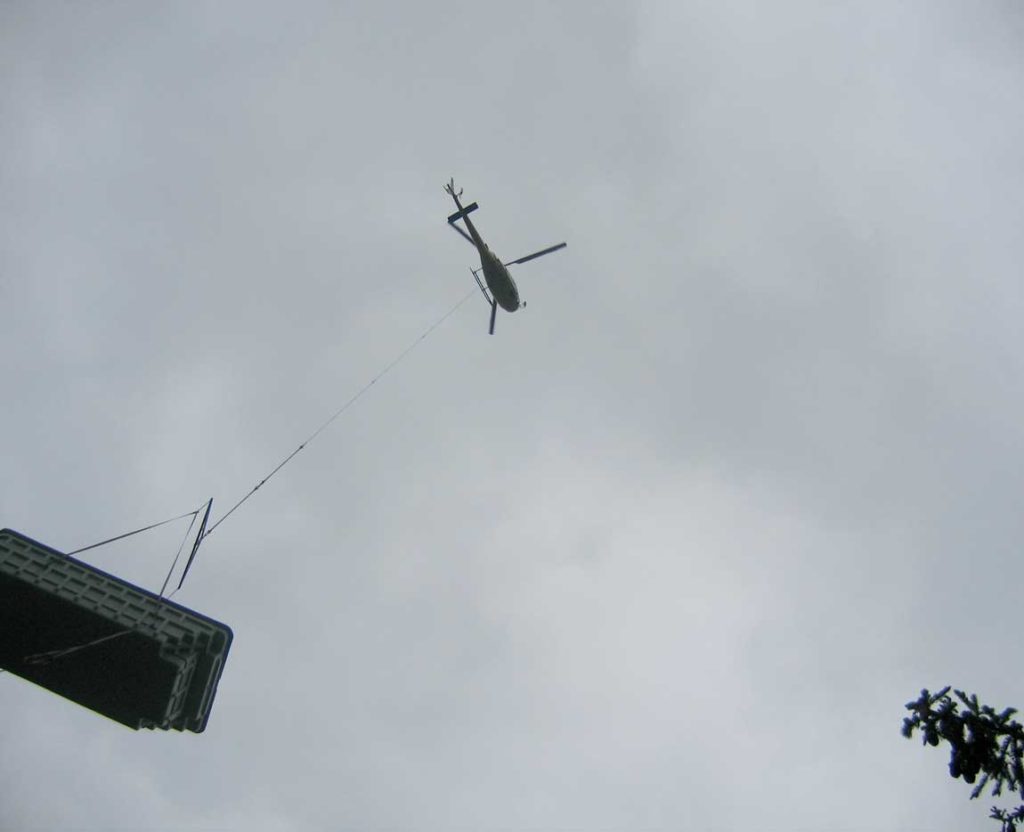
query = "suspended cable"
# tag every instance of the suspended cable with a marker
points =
(49, 656)
(195, 545)
(178, 555)
(342, 409)
(52, 655)
(191, 514)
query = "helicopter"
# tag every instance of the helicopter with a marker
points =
(501, 289)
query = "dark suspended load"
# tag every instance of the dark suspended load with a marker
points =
(104, 643)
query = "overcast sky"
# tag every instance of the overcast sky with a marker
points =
(671, 550)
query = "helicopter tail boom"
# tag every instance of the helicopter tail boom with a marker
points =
(461, 214)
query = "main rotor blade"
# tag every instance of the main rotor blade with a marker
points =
(536, 254)
(465, 236)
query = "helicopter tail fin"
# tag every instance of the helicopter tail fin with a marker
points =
(458, 215)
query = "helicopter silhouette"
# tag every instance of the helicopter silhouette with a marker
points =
(501, 289)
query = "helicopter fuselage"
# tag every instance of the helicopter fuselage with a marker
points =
(499, 281)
